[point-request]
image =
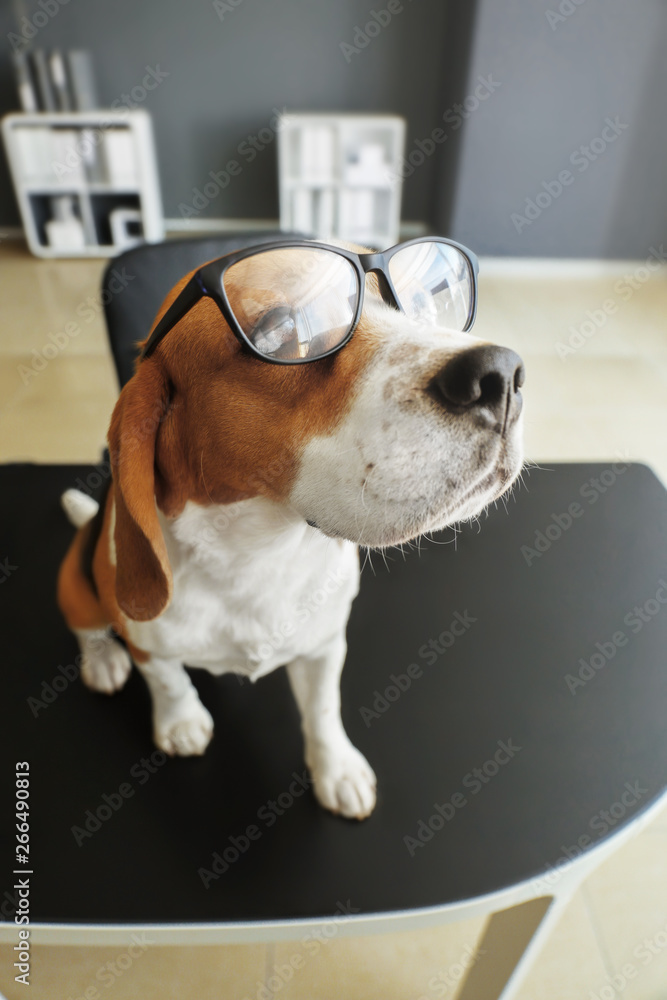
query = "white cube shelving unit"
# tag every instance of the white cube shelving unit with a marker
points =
(92, 173)
(339, 176)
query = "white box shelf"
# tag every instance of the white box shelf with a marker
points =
(86, 181)
(339, 176)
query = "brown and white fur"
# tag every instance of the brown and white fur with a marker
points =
(240, 489)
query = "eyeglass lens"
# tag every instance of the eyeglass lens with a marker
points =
(294, 302)
(433, 282)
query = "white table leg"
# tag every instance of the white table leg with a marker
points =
(513, 938)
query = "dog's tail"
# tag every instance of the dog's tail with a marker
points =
(79, 507)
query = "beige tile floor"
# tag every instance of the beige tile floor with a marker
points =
(606, 399)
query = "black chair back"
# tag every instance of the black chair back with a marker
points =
(135, 283)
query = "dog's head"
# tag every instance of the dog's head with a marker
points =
(407, 429)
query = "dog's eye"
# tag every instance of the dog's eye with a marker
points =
(274, 330)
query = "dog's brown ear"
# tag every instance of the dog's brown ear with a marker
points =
(143, 574)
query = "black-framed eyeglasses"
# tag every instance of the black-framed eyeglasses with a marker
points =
(296, 301)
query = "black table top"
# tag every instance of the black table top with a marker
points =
(593, 752)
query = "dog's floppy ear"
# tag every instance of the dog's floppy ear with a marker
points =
(143, 574)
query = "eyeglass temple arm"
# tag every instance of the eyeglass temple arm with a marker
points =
(189, 296)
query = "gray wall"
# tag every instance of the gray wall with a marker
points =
(226, 76)
(558, 85)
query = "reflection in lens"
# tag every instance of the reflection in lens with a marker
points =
(433, 283)
(294, 302)
(274, 330)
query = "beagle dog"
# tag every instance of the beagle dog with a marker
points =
(241, 489)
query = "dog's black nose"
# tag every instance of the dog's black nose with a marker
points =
(482, 377)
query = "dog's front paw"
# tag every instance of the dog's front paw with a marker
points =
(185, 732)
(344, 782)
(106, 665)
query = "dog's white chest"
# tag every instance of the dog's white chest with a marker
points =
(251, 590)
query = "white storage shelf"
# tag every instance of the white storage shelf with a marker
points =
(339, 176)
(86, 182)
